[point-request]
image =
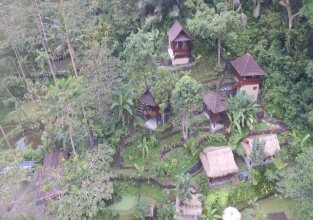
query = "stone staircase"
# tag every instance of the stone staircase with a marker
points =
(139, 110)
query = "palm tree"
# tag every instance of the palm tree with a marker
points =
(241, 111)
(66, 36)
(140, 169)
(144, 146)
(123, 104)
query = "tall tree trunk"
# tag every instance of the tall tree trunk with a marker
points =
(72, 142)
(17, 55)
(5, 137)
(185, 128)
(72, 54)
(219, 50)
(43, 38)
(287, 6)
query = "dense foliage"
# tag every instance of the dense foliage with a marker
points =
(81, 65)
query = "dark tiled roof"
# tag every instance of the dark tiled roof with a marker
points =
(52, 160)
(214, 102)
(247, 66)
(175, 30)
(148, 99)
(277, 216)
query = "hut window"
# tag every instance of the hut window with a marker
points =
(184, 45)
(255, 88)
(179, 45)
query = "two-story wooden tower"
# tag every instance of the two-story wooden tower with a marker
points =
(247, 75)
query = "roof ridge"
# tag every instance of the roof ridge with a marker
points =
(246, 64)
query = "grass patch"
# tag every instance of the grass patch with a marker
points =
(181, 159)
(132, 155)
(5, 110)
(262, 126)
(175, 138)
(14, 117)
(205, 70)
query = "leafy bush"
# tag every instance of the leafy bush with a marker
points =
(241, 112)
(241, 194)
(191, 147)
(165, 211)
(215, 202)
(141, 209)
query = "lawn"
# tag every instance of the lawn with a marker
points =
(14, 117)
(175, 138)
(5, 110)
(132, 155)
(262, 126)
(149, 193)
(205, 69)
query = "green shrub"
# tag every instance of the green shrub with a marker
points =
(241, 194)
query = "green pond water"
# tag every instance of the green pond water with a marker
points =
(275, 204)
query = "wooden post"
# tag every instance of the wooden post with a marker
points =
(5, 137)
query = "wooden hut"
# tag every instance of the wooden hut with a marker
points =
(218, 163)
(190, 208)
(179, 40)
(147, 107)
(214, 107)
(247, 75)
(271, 147)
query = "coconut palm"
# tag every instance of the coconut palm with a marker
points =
(241, 111)
(123, 104)
(66, 37)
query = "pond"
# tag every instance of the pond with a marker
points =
(275, 204)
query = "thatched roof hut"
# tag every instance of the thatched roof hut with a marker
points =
(190, 208)
(218, 162)
(271, 144)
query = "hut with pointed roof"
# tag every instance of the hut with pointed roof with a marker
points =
(247, 75)
(179, 44)
(271, 147)
(214, 107)
(218, 163)
(147, 106)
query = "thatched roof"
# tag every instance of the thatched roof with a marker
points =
(218, 161)
(214, 102)
(147, 98)
(190, 207)
(271, 144)
(247, 66)
(175, 33)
